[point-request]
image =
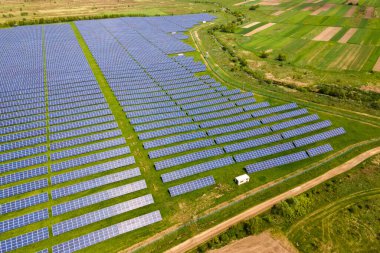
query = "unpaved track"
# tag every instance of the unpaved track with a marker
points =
(214, 231)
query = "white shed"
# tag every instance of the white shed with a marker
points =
(242, 179)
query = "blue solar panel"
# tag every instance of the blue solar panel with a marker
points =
(24, 203)
(90, 158)
(319, 150)
(167, 131)
(252, 143)
(106, 233)
(275, 109)
(319, 137)
(22, 143)
(242, 135)
(278, 161)
(294, 122)
(18, 176)
(24, 240)
(94, 183)
(181, 148)
(191, 186)
(188, 158)
(163, 116)
(225, 121)
(22, 153)
(174, 139)
(161, 124)
(23, 163)
(263, 152)
(282, 116)
(306, 129)
(98, 197)
(23, 188)
(196, 169)
(24, 220)
(101, 214)
(233, 128)
(22, 135)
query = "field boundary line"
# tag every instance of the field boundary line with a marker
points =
(260, 208)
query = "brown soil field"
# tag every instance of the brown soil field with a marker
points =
(259, 29)
(262, 243)
(327, 34)
(355, 2)
(371, 88)
(251, 24)
(277, 13)
(270, 2)
(325, 7)
(308, 8)
(347, 36)
(369, 11)
(350, 12)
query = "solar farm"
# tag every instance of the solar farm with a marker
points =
(75, 176)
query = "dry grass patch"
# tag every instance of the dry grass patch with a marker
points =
(373, 89)
(347, 36)
(251, 24)
(324, 8)
(350, 12)
(327, 34)
(277, 13)
(369, 11)
(259, 29)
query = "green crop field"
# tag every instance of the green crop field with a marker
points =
(188, 214)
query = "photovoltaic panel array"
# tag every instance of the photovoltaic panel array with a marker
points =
(191, 186)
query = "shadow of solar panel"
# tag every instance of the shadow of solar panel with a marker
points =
(98, 197)
(242, 135)
(92, 170)
(319, 137)
(174, 139)
(263, 152)
(275, 162)
(191, 186)
(90, 158)
(294, 122)
(196, 169)
(94, 183)
(233, 128)
(24, 240)
(306, 129)
(188, 158)
(24, 203)
(252, 143)
(23, 188)
(319, 150)
(181, 148)
(101, 214)
(24, 220)
(106, 233)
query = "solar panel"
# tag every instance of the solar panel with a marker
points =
(188, 158)
(97, 197)
(107, 233)
(263, 152)
(242, 135)
(82, 131)
(81, 123)
(90, 158)
(191, 186)
(174, 139)
(22, 153)
(252, 143)
(23, 163)
(294, 122)
(219, 114)
(180, 148)
(24, 240)
(275, 109)
(161, 124)
(319, 137)
(167, 131)
(101, 214)
(233, 128)
(306, 129)
(24, 220)
(23, 188)
(256, 106)
(319, 150)
(275, 162)
(163, 116)
(196, 169)
(92, 170)
(94, 183)
(24, 203)
(22, 143)
(225, 121)
(18, 176)
(285, 115)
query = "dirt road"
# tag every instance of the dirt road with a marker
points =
(214, 231)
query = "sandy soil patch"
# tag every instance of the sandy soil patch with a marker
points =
(369, 11)
(259, 29)
(347, 36)
(350, 12)
(308, 8)
(251, 24)
(325, 7)
(287, 80)
(352, 2)
(373, 89)
(269, 2)
(317, 1)
(277, 13)
(263, 243)
(309, 1)
(327, 34)
(377, 65)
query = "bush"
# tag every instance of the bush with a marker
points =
(281, 57)
(264, 55)
(253, 7)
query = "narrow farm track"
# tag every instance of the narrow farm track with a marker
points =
(214, 231)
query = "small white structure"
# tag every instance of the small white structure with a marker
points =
(204, 22)
(180, 54)
(242, 179)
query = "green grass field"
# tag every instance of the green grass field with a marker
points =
(188, 212)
